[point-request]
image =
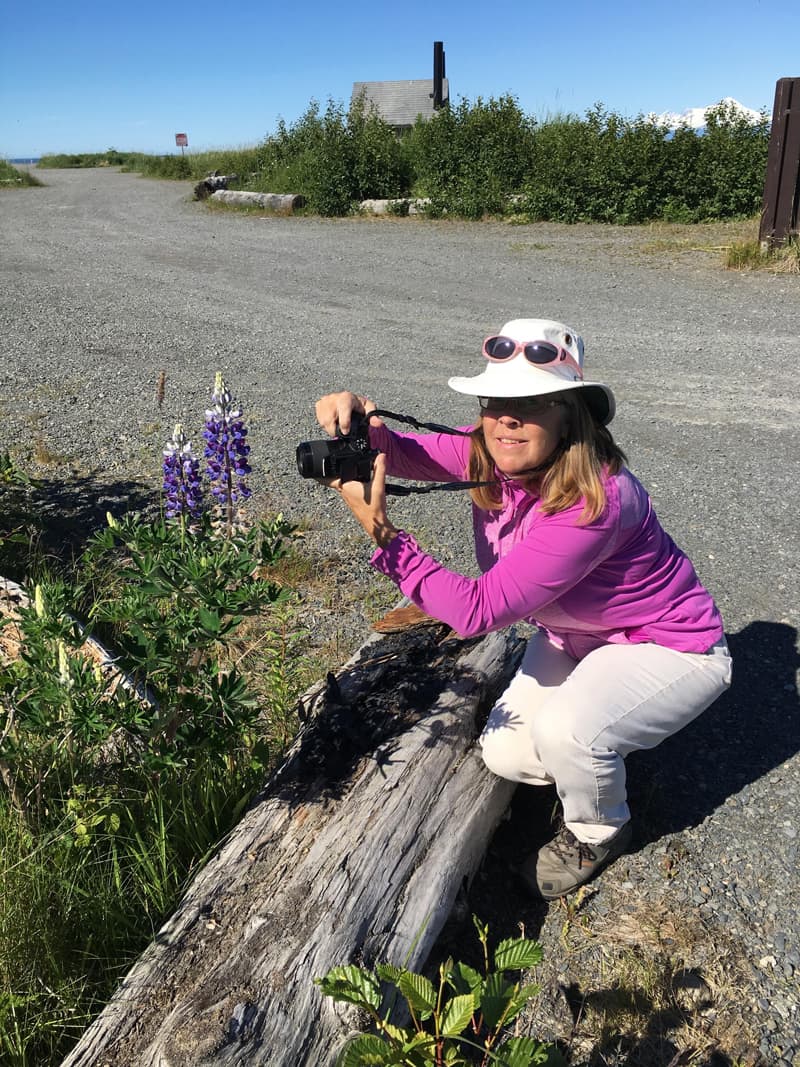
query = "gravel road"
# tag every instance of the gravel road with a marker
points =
(109, 278)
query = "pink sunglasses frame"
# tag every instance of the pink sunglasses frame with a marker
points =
(561, 354)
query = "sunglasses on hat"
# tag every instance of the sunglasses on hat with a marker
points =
(539, 353)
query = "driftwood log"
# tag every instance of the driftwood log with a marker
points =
(355, 851)
(282, 203)
(407, 206)
(212, 183)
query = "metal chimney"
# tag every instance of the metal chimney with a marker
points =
(438, 74)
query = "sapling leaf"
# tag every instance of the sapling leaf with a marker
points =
(387, 972)
(521, 1052)
(352, 984)
(519, 999)
(368, 1050)
(394, 1033)
(419, 1052)
(517, 954)
(464, 978)
(495, 998)
(457, 1015)
(419, 992)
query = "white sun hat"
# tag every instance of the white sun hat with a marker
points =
(513, 373)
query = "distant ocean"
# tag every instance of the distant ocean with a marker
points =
(28, 159)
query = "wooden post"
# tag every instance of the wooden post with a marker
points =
(779, 218)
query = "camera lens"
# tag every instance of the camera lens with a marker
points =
(305, 460)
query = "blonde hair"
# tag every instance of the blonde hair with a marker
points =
(576, 473)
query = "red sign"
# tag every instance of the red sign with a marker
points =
(181, 140)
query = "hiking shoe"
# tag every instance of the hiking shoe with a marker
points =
(565, 863)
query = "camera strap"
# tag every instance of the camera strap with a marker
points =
(435, 427)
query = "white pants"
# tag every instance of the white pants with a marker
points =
(572, 722)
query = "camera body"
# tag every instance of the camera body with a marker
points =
(347, 457)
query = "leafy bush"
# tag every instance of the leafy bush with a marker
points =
(334, 159)
(462, 1021)
(469, 158)
(489, 158)
(119, 777)
(732, 159)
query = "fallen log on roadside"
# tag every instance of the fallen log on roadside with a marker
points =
(212, 183)
(281, 203)
(355, 851)
(401, 206)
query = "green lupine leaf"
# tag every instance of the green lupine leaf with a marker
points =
(418, 991)
(457, 1015)
(517, 954)
(209, 620)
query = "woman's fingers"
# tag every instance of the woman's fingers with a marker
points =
(377, 488)
(334, 411)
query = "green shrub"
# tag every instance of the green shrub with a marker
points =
(334, 159)
(464, 1020)
(12, 177)
(602, 168)
(731, 165)
(118, 778)
(469, 158)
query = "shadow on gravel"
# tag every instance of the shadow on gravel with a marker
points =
(749, 731)
(63, 513)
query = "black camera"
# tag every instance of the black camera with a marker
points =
(348, 456)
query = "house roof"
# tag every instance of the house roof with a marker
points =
(399, 102)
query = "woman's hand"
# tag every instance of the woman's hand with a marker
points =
(367, 501)
(334, 411)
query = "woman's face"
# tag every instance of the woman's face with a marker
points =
(518, 440)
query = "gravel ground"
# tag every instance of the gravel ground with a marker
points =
(107, 279)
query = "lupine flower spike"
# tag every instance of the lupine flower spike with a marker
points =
(183, 493)
(226, 451)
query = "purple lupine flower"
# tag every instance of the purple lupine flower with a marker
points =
(226, 450)
(183, 493)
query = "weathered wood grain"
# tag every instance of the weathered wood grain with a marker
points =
(355, 851)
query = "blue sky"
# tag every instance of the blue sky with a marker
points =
(81, 77)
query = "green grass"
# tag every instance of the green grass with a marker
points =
(66, 160)
(74, 916)
(752, 255)
(12, 177)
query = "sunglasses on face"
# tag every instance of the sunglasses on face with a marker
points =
(539, 353)
(519, 405)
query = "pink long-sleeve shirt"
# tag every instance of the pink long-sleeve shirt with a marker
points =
(618, 579)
